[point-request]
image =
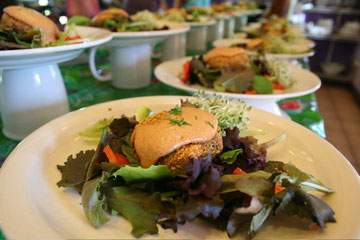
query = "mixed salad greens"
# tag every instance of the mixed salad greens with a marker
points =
(195, 15)
(275, 45)
(225, 8)
(277, 35)
(141, 21)
(263, 75)
(276, 26)
(236, 189)
(10, 39)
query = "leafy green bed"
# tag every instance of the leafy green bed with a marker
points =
(208, 187)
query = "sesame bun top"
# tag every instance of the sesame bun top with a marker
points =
(23, 19)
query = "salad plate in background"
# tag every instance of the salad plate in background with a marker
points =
(304, 82)
(299, 49)
(45, 211)
(28, 57)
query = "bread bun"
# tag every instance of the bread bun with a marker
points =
(227, 57)
(23, 19)
(109, 14)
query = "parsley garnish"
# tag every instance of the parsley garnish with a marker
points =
(196, 117)
(178, 122)
(176, 110)
(210, 124)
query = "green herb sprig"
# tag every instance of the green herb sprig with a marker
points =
(210, 124)
(179, 122)
(176, 110)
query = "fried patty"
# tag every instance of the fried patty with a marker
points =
(227, 57)
(182, 155)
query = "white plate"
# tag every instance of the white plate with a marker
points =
(97, 36)
(202, 24)
(305, 82)
(174, 28)
(130, 39)
(248, 12)
(254, 26)
(10, 59)
(300, 45)
(33, 207)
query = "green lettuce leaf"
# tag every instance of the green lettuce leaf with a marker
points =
(138, 174)
(229, 157)
(305, 181)
(93, 169)
(79, 20)
(196, 205)
(94, 202)
(123, 145)
(295, 201)
(236, 221)
(262, 85)
(258, 220)
(93, 134)
(73, 171)
(253, 184)
(141, 209)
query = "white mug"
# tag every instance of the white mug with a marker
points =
(130, 66)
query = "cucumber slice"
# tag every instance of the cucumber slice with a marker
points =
(142, 113)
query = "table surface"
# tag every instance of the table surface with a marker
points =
(83, 90)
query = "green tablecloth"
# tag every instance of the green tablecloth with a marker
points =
(83, 90)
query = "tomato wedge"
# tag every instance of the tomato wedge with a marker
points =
(73, 38)
(250, 91)
(115, 157)
(238, 171)
(277, 86)
(278, 188)
(186, 72)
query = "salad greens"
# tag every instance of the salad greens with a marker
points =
(10, 39)
(262, 75)
(262, 85)
(141, 21)
(229, 114)
(193, 15)
(93, 134)
(210, 186)
(276, 26)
